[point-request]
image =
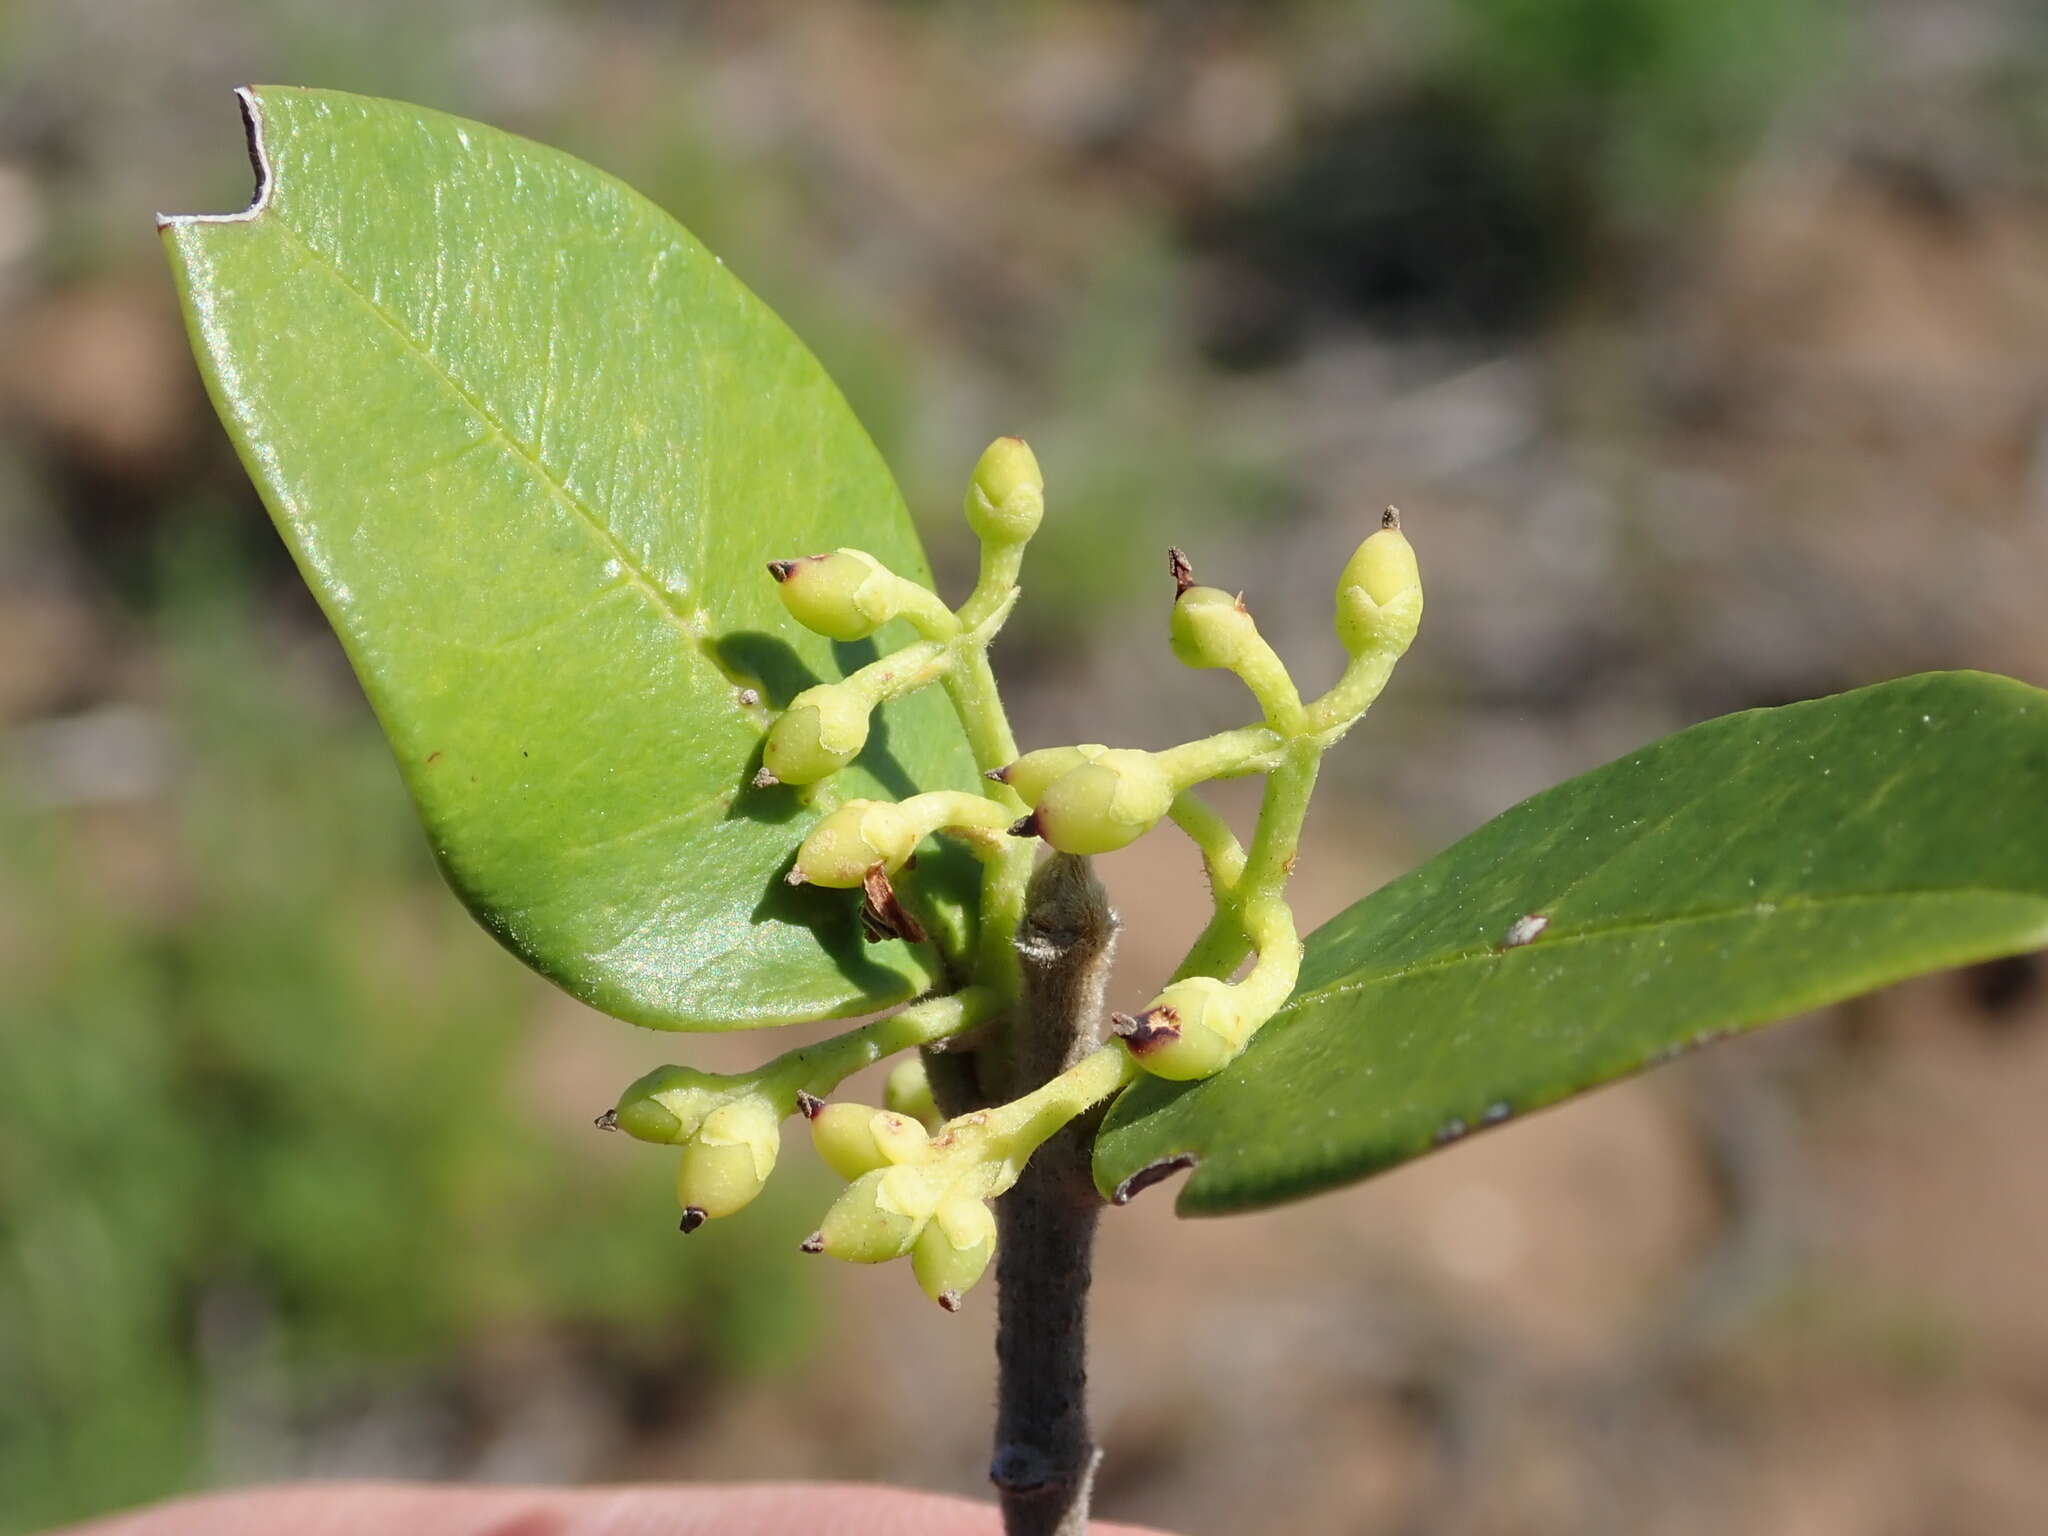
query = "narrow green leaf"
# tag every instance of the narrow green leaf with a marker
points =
(1749, 868)
(531, 446)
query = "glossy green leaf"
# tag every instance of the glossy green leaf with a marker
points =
(531, 446)
(1749, 868)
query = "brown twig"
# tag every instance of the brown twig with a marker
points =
(1044, 1462)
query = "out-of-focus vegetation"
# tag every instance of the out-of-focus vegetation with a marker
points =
(1701, 343)
(265, 1152)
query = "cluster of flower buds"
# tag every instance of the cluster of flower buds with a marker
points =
(1092, 798)
(926, 1193)
(848, 594)
(918, 1187)
(909, 1193)
(730, 1127)
(730, 1130)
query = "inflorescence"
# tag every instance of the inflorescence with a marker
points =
(920, 1186)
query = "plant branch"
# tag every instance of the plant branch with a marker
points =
(1044, 1462)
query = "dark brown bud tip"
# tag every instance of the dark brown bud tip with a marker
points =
(1025, 826)
(1000, 775)
(1148, 1031)
(780, 569)
(808, 1103)
(815, 1243)
(1391, 518)
(1183, 573)
(608, 1121)
(950, 1300)
(693, 1218)
(765, 780)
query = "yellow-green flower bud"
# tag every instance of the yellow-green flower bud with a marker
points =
(730, 1157)
(1363, 626)
(900, 1138)
(1195, 1028)
(841, 849)
(953, 1250)
(1034, 771)
(877, 1218)
(909, 1091)
(1380, 575)
(822, 731)
(1384, 565)
(1006, 497)
(857, 1138)
(1212, 629)
(668, 1104)
(1105, 804)
(846, 595)
(846, 1141)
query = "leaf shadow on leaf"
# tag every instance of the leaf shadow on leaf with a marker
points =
(876, 757)
(833, 917)
(766, 662)
(771, 665)
(883, 764)
(771, 804)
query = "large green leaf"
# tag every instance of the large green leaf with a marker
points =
(1749, 868)
(531, 445)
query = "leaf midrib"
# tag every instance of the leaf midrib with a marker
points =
(1763, 909)
(691, 622)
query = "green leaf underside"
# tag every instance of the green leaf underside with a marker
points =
(531, 446)
(1749, 868)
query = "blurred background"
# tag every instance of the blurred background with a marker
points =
(1705, 347)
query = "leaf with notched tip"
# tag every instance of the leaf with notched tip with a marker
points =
(531, 446)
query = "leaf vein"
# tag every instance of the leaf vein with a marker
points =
(1553, 939)
(691, 622)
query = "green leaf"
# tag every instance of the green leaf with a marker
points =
(531, 446)
(1752, 867)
